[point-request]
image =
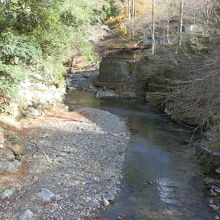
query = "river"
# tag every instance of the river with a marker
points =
(161, 180)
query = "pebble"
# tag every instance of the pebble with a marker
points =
(46, 194)
(77, 184)
(7, 194)
(109, 197)
(13, 138)
(9, 166)
(217, 170)
(209, 181)
(18, 149)
(217, 189)
(88, 182)
(1, 144)
(105, 202)
(211, 192)
(214, 207)
(27, 215)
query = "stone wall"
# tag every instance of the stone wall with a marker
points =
(123, 77)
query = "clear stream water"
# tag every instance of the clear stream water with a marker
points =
(160, 181)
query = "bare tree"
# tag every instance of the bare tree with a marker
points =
(181, 22)
(153, 26)
(133, 11)
(129, 11)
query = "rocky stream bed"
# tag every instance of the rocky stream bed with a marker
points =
(72, 169)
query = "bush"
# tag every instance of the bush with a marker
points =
(10, 78)
(52, 70)
(40, 35)
(16, 49)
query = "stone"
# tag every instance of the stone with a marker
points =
(1, 145)
(10, 121)
(105, 201)
(18, 149)
(217, 170)
(211, 193)
(167, 111)
(27, 215)
(217, 189)
(214, 207)
(6, 155)
(211, 201)
(209, 181)
(13, 139)
(108, 93)
(46, 194)
(7, 194)
(9, 166)
(88, 182)
(109, 197)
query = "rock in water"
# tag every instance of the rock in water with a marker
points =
(217, 189)
(217, 170)
(105, 201)
(46, 195)
(27, 215)
(214, 207)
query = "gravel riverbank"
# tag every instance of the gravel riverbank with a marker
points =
(73, 166)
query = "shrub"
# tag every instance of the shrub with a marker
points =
(10, 77)
(52, 70)
(15, 49)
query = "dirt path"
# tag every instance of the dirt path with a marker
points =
(73, 167)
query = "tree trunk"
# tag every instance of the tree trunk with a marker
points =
(129, 11)
(153, 26)
(168, 31)
(181, 23)
(133, 18)
(133, 11)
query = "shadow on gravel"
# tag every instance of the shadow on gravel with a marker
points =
(78, 161)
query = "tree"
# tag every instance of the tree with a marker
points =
(181, 22)
(133, 11)
(153, 26)
(129, 11)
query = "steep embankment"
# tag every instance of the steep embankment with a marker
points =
(187, 86)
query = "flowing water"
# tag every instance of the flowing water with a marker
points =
(161, 180)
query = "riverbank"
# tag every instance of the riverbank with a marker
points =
(208, 155)
(200, 150)
(72, 169)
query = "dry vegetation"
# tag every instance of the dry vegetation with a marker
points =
(187, 82)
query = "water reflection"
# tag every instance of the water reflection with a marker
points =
(159, 181)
